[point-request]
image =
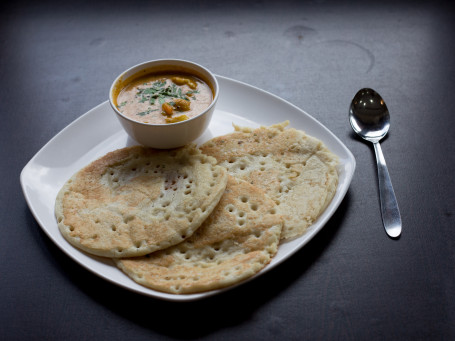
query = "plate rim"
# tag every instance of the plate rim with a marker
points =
(308, 236)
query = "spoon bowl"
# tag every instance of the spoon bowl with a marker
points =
(370, 119)
(369, 116)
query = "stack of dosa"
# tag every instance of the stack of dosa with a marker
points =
(175, 221)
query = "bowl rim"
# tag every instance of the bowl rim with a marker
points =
(212, 104)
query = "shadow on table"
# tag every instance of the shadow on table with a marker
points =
(188, 320)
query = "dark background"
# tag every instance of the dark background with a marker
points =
(351, 282)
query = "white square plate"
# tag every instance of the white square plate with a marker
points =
(98, 132)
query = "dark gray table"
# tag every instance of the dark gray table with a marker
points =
(351, 282)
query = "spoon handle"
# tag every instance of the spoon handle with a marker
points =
(391, 217)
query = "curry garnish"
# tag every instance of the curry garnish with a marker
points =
(143, 113)
(159, 91)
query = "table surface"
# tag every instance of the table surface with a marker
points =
(351, 282)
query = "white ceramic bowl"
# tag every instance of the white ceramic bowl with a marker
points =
(165, 136)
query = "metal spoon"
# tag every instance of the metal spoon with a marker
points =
(370, 119)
